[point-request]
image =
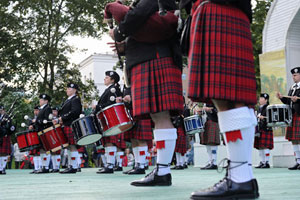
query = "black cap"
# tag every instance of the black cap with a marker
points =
(36, 107)
(55, 108)
(265, 95)
(1, 107)
(73, 85)
(295, 70)
(114, 75)
(45, 97)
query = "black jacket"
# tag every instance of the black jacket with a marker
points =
(262, 123)
(70, 110)
(5, 126)
(139, 52)
(43, 115)
(212, 115)
(295, 105)
(105, 100)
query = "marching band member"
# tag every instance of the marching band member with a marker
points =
(156, 86)
(108, 98)
(263, 141)
(69, 112)
(221, 70)
(211, 136)
(140, 137)
(55, 156)
(39, 125)
(293, 132)
(6, 129)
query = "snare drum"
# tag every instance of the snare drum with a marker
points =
(279, 115)
(85, 130)
(193, 124)
(114, 119)
(28, 140)
(53, 138)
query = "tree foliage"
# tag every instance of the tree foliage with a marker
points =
(259, 16)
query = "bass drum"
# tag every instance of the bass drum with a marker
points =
(85, 130)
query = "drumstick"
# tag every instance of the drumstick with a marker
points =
(290, 97)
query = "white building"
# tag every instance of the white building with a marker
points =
(95, 66)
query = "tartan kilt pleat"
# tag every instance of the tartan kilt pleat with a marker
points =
(69, 134)
(181, 145)
(293, 132)
(221, 64)
(265, 141)
(211, 134)
(156, 86)
(117, 140)
(5, 147)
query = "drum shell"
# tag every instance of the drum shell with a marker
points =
(53, 138)
(86, 130)
(28, 140)
(193, 124)
(114, 119)
(279, 115)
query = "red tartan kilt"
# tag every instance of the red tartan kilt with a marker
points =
(221, 64)
(293, 132)
(117, 140)
(69, 134)
(265, 141)
(5, 147)
(181, 146)
(156, 86)
(142, 130)
(211, 134)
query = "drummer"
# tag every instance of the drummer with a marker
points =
(40, 123)
(293, 132)
(263, 141)
(69, 112)
(109, 96)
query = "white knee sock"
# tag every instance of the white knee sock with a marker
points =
(44, 158)
(73, 159)
(208, 150)
(111, 157)
(165, 143)
(181, 159)
(56, 159)
(120, 156)
(103, 158)
(262, 155)
(147, 158)
(214, 150)
(2, 162)
(267, 155)
(142, 150)
(239, 126)
(297, 152)
(135, 152)
(79, 160)
(36, 162)
(177, 158)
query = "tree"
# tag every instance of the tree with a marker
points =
(33, 37)
(259, 16)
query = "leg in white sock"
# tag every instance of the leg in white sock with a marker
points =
(208, 150)
(111, 157)
(73, 160)
(214, 150)
(142, 150)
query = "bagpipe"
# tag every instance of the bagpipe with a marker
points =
(160, 26)
(6, 127)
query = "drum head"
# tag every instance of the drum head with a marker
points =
(89, 139)
(118, 129)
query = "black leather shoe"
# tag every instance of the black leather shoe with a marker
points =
(126, 172)
(152, 179)
(179, 167)
(146, 167)
(2, 172)
(106, 170)
(42, 171)
(206, 166)
(212, 166)
(175, 167)
(33, 172)
(137, 171)
(227, 189)
(54, 171)
(69, 170)
(185, 166)
(261, 164)
(294, 167)
(266, 165)
(118, 169)
(78, 169)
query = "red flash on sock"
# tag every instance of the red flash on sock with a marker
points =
(267, 154)
(233, 136)
(121, 156)
(73, 158)
(111, 153)
(160, 144)
(45, 158)
(58, 160)
(142, 153)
